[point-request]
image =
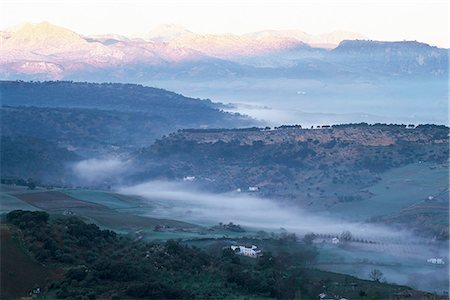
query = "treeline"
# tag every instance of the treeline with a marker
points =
(218, 130)
(298, 126)
(384, 125)
(11, 180)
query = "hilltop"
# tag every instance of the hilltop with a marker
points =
(86, 113)
(331, 169)
(354, 152)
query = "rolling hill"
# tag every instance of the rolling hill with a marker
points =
(47, 125)
(166, 110)
(372, 170)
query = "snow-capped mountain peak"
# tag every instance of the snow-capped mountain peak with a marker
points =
(167, 32)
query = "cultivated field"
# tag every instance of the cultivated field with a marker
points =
(102, 198)
(54, 200)
(9, 202)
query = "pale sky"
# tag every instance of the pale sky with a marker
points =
(422, 20)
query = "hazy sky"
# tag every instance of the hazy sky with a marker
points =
(422, 20)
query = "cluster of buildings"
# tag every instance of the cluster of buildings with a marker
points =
(323, 296)
(436, 261)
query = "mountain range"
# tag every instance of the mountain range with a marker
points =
(45, 51)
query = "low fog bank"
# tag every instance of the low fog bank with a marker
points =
(182, 201)
(101, 171)
(276, 117)
(325, 101)
(401, 256)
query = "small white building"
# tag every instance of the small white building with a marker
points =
(253, 188)
(335, 241)
(68, 212)
(250, 252)
(436, 261)
(323, 296)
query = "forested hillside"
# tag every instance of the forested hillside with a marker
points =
(72, 121)
(38, 159)
(99, 263)
(177, 110)
(290, 158)
(84, 130)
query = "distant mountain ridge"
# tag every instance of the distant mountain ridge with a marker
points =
(46, 51)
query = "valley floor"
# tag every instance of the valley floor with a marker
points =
(402, 260)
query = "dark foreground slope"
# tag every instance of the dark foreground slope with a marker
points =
(102, 264)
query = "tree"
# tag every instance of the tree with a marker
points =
(31, 184)
(266, 261)
(376, 275)
(346, 236)
(308, 239)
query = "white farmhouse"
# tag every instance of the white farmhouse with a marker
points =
(250, 252)
(436, 261)
(335, 241)
(253, 188)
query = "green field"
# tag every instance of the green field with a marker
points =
(397, 189)
(401, 263)
(120, 213)
(125, 222)
(9, 202)
(100, 197)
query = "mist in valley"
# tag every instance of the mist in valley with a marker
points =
(181, 200)
(312, 102)
(398, 253)
(100, 170)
